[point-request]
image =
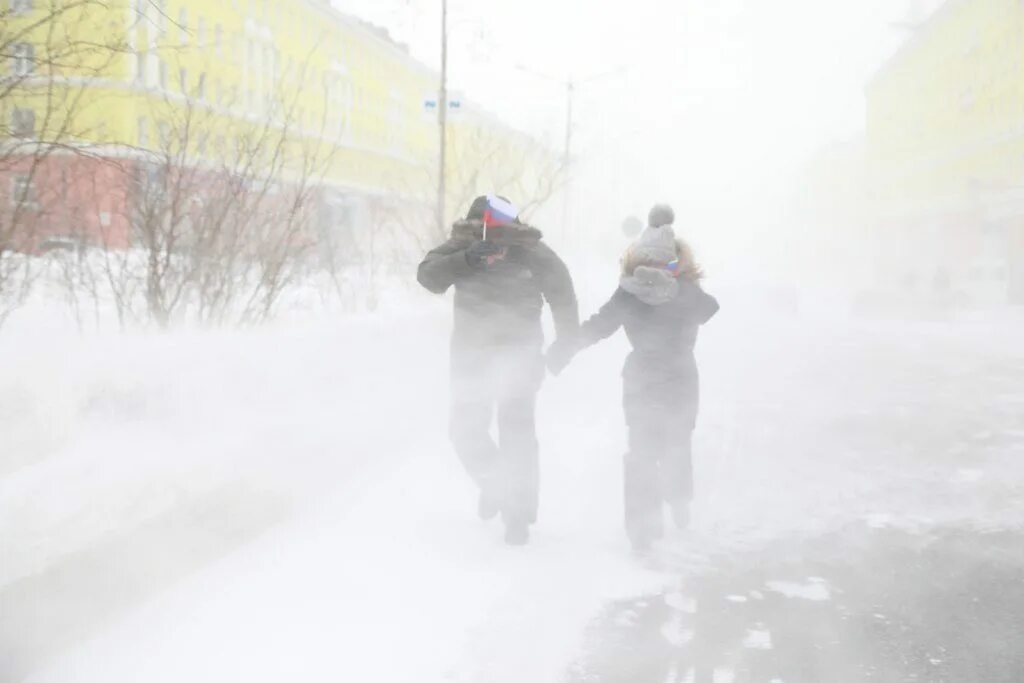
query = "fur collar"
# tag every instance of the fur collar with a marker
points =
(512, 234)
(653, 286)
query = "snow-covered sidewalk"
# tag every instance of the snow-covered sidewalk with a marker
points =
(397, 583)
(283, 504)
(261, 505)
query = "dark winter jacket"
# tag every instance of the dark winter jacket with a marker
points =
(499, 305)
(661, 319)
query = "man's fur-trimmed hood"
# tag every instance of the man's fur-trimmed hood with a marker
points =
(507, 235)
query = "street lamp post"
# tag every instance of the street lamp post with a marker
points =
(571, 87)
(570, 92)
(442, 119)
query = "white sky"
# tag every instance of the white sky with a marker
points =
(722, 104)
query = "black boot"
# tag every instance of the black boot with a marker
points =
(641, 544)
(487, 506)
(681, 513)
(517, 531)
(643, 535)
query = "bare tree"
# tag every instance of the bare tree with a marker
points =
(222, 214)
(484, 156)
(48, 51)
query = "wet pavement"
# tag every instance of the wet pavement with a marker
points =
(905, 458)
(861, 604)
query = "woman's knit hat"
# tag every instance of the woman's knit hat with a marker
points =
(661, 214)
(655, 245)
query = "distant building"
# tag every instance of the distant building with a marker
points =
(833, 244)
(945, 127)
(204, 78)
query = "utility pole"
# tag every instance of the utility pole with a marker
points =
(442, 118)
(570, 92)
(572, 85)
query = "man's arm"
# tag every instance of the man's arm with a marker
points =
(557, 288)
(601, 325)
(443, 266)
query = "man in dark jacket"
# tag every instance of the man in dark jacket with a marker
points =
(502, 273)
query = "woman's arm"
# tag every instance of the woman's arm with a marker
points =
(601, 325)
(557, 289)
(701, 306)
(606, 321)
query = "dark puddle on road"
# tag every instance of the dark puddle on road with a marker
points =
(861, 604)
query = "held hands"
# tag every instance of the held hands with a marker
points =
(558, 357)
(482, 254)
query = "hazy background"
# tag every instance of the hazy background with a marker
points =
(716, 107)
(197, 491)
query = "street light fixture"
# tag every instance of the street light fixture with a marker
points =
(442, 118)
(571, 87)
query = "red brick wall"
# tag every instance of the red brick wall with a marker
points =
(73, 196)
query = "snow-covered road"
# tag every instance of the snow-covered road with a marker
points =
(283, 505)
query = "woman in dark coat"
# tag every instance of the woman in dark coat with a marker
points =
(661, 305)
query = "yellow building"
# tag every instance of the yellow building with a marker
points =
(200, 79)
(946, 153)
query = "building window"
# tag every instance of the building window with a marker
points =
(336, 99)
(23, 123)
(22, 191)
(24, 59)
(163, 74)
(344, 106)
(21, 6)
(218, 39)
(395, 131)
(140, 67)
(163, 132)
(183, 26)
(143, 132)
(201, 88)
(149, 180)
(201, 33)
(161, 17)
(183, 80)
